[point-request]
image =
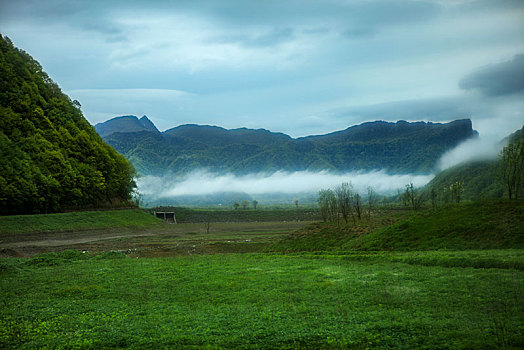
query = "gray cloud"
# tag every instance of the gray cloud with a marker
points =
(272, 37)
(436, 109)
(298, 66)
(497, 79)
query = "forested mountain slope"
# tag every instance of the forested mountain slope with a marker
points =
(399, 147)
(51, 157)
(479, 179)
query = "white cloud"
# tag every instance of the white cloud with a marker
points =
(481, 148)
(206, 183)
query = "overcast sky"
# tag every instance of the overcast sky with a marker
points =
(300, 67)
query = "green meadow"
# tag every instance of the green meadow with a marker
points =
(69, 300)
(273, 285)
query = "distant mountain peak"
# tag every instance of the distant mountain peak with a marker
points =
(125, 124)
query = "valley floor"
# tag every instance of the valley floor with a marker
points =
(141, 284)
(164, 240)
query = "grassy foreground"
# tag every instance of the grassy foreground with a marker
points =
(86, 220)
(70, 300)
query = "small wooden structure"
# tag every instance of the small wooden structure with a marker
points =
(168, 216)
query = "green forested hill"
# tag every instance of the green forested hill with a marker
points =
(400, 147)
(479, 179)
(51, 157)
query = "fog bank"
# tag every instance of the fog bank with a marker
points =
(481, 148)
(201, 183)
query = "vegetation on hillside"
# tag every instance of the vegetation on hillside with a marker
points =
(52, 158)
(400, 147)
(476, 225)
(495, 178)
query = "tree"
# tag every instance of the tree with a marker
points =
(323, 204)
(236, 205)
(245, 204)
(372, 198)
(433, 196)
(296, 202)
(357, 204)
(344, 194)
(412, 196)
(512, 167)
(456, 189)
(255, 203)
(327, 203)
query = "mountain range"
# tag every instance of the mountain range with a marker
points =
(400, 147)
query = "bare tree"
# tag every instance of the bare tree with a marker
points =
(344, 193)
(323, 204)
(372, 198)
(327, 201)
(413, 198)
(357, 205)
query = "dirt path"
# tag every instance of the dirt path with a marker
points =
(171, 239)
(70, 240)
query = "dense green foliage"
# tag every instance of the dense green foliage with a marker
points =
(86, 220)
(478, 225)
(400, 147)
(480, 179)
(52, 158)
(70, 300)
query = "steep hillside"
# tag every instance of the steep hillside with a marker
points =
(480, 179)
(400, 147)
(52, 158)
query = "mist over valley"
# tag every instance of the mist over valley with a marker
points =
(209, 165)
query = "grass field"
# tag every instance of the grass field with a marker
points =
(87, 220)
(69, 300)
(480, 225)
(129, 280)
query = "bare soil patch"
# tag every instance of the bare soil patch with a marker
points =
(168, 240)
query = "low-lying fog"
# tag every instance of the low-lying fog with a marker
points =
(202, 183)
(285, 186)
